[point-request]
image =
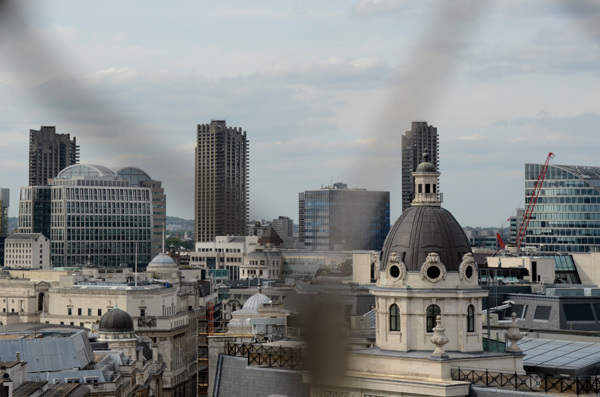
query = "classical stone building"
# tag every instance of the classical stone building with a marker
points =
(23, 300)
(166, 311)
(427, 297)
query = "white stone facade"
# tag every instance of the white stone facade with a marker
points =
(226, 252)
(27, 251)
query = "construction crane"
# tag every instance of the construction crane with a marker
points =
(533, 201)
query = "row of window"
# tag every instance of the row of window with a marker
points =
(430, 317)
(79, 311)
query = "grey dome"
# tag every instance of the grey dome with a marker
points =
(162, 260)
(425, 165)
(420, 231)
(116, 320)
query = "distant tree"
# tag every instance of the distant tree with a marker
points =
(179, 243)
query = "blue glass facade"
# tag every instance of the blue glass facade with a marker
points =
(334, 219)
(566, 217)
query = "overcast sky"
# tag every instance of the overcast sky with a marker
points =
(324, 89)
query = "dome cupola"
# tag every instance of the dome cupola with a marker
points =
(427, 270)
(116, 320)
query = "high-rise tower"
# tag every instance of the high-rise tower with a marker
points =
(421, 138)
(49, 153)
(221, 205)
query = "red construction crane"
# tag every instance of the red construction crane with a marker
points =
(533, 201)
(500, 242)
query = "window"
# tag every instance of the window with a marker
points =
(99, 312)
(471, 318)
(432, 312)
(542, 312)
(70, 311)
(394, 318)
(89, 312)
(79, 311)
(142, 312)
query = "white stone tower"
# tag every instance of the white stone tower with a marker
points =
(427, 270)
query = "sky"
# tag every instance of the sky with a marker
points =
(324, 89)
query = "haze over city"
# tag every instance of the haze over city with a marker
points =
(324, 90)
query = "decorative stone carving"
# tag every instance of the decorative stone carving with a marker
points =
(433, 269)
(147, 321)
(375, 259)
(396, 269)
(514, 335)
(467, 262)
(439, 339)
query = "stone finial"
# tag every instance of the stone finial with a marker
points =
(514, 335)
(439, 339)
(18, 356)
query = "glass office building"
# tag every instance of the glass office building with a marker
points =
(566, 217)
(336, 218)
(95, 216)
(139, 178)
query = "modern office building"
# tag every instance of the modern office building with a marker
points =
(94, 215)
(335, 218)
(566, 217)
(515, 225)
(139, 178)
(49, 153)
(222, 257)
(284, 227)
(422, 138)
(221, 204)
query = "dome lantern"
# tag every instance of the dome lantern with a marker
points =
(426, 184)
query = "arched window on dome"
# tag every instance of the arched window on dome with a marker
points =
(432, 312)
(394, 317)
(471, 318)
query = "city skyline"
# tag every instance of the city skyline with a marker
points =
(324, 90)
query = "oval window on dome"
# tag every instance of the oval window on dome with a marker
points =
(469, 271)
(394, 271)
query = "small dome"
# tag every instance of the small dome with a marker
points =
(162, 260)
(116, 320)
(420, 231)
(426, 166)
(256, 301)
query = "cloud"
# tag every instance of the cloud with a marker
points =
(332, 72)
(373, 8)
(476, 137)
(568, 126)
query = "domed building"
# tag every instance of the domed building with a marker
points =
(258, 318)
(163, 267)
(428, 308)
(427, 270)
(116, 328)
